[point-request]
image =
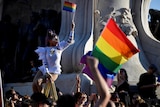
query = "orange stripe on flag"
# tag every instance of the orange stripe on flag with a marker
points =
(116, 43)
(113, 48)
(71, 5)
(110, 51)
(113, 27)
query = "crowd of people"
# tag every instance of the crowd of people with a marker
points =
(42, 39)
(121, 96)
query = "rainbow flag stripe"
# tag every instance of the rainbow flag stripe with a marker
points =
(107, 75)
(113, 48)
(68, 6)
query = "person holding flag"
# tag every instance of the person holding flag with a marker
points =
(51, 57)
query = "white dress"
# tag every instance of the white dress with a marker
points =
(51, 56)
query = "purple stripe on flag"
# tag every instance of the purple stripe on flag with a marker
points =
(107, 75)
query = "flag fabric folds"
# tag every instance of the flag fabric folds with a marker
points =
(108, 76)
(113, 49)
(68, 6)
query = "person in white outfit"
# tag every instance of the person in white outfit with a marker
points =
(51, 57)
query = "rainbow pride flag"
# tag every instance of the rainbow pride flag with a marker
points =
(113, 49)
(108, 76)
(68, 6)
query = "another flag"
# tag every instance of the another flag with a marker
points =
(112, 49)
(68, 6)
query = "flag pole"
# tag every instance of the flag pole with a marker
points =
(73, 16)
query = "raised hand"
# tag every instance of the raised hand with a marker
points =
(73, 25)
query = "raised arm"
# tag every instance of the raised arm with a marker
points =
(102, 87)
(73, 26)
(71, 36)
(78, 84)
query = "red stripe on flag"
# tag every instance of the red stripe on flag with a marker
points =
(113, 27)
(68, 6)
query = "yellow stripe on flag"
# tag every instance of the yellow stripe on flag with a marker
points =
(116, 43)
(110, 52)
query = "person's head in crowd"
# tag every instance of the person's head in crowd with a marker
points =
(11, 94)
(119, 104)
(66, 100)
(111, 104)
(136, 99)
(115, 97)
(122, 75)
(152, 69)
(80, 98)
(52, 38)
(27, 103)
(41, 100)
